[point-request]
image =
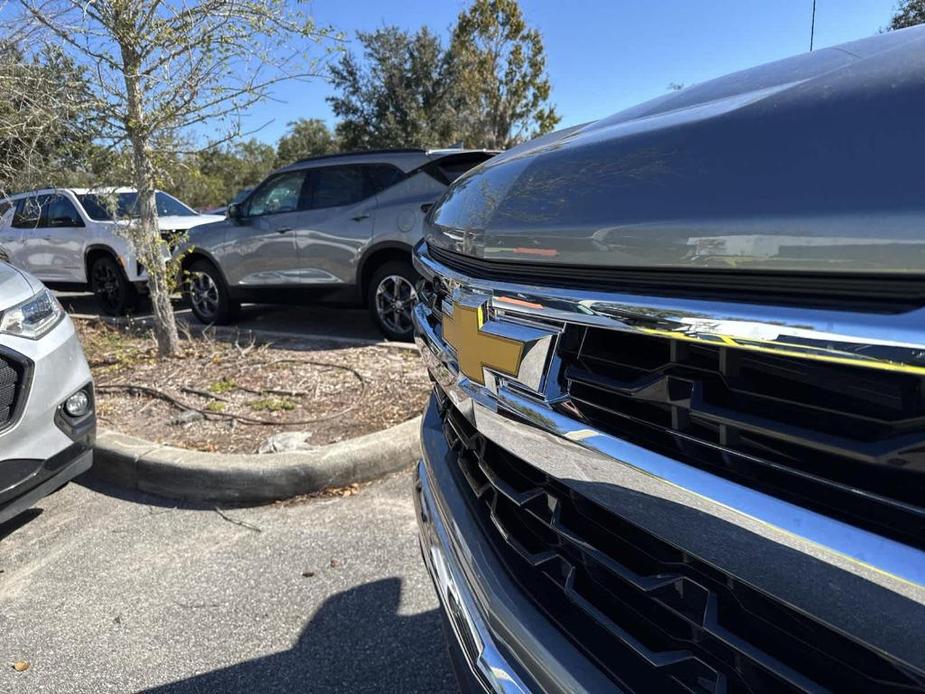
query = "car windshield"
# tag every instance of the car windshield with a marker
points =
(100, 206)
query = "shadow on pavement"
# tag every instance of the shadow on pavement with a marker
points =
(333, 320)
(106, 488)
(356, 642)
(16, 522)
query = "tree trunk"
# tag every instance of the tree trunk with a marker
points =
(145, 231)
(148, 244)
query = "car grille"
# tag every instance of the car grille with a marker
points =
(651, 615)
(12, 377)
(844, 440)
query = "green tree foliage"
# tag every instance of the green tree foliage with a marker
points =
(909, 13)
(47, 120)
(214, 176)
(500, 79)
(397, 94)
(306, 137)
(160, 67)
(489, 88)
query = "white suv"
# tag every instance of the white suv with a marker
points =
(68, 238)
(47, 417)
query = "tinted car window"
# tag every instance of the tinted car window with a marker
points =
(100, 207)
(60, 212)
(455, 165)
(96, 207)
(169, 206)
(282, 193)
(28, 213)
(337, 186)
(383, 176)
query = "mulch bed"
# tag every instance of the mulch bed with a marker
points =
(230, 397)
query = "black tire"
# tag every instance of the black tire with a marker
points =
(391, 297)
(115, 295)
(208, 294)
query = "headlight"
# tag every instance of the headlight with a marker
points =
(32, 318)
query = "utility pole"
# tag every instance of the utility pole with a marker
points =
(812, 28)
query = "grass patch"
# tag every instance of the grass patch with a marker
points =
(223, 385)
(272, 405)
(215, 406)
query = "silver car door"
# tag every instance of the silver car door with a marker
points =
(337, 225)
(10, 236)
(21, 245)
(261, 245)
(62, 234)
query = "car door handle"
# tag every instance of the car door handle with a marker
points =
(360, 217)
(283, 230)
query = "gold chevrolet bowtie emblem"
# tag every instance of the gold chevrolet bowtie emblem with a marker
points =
(476, 349)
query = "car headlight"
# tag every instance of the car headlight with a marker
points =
(32, 318)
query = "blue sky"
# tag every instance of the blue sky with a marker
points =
(605, 55)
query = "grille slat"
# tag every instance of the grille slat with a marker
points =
(844, 440)
(12, 375)
(682, 392)
(655, 617)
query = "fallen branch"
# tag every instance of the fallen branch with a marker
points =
(103, 362)
(272, 391)
(202, 393)
(243, 524)
(179, 404)
(343, 367)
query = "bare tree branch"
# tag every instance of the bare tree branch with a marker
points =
(153, 70)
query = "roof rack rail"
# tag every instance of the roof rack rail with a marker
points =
(362, 152)
(11, 193)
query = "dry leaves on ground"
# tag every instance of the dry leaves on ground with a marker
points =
(226, 397)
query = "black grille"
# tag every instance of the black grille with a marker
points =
(12, 376)
(845, 441)
(651, 615)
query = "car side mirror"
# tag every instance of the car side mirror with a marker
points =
(235, 212)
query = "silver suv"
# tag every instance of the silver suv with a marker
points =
(335, 228)
(47, 417)
(73, 238)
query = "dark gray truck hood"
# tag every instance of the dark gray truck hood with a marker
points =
(814, 163)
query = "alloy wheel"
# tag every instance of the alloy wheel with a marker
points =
(204, 296)
(106, 286)
(395, 297)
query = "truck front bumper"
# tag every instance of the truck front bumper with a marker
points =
(498, 640)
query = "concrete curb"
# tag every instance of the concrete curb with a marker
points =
(178, 473)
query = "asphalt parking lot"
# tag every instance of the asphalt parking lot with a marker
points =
(316, 319)
(106, 591)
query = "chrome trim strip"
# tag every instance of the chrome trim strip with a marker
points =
(894, 342)
(471, 632)
(571, 450)
(588, 450)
